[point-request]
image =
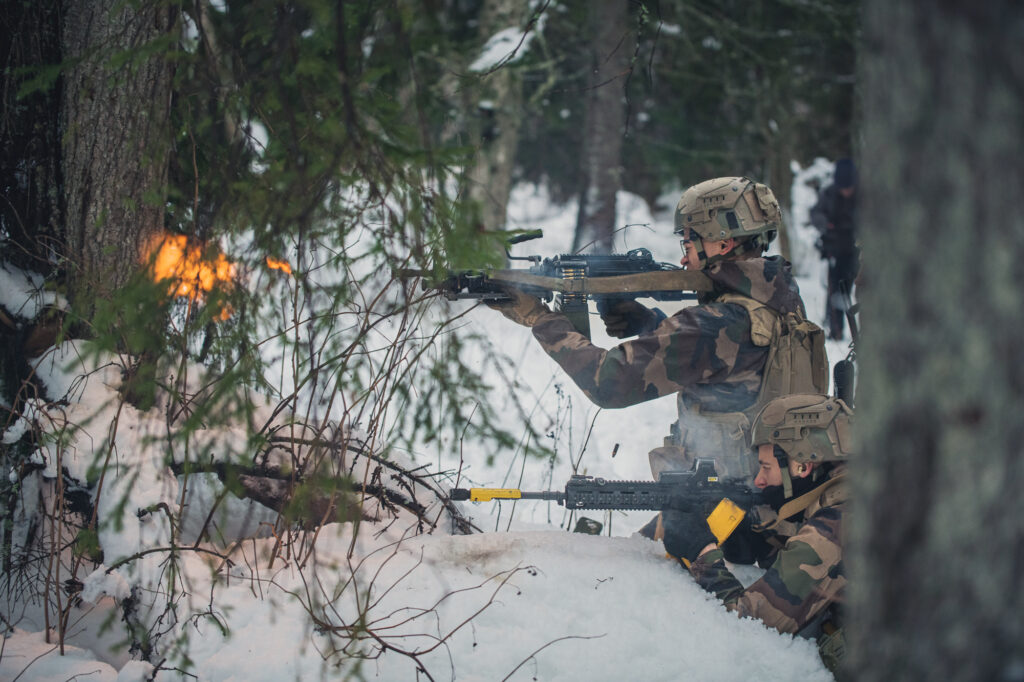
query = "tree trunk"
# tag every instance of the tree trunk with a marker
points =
(115, 146)
(498, 105)
(779, 177)
(937, 549)
(611, 42)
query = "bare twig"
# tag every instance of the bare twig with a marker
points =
(554, 641)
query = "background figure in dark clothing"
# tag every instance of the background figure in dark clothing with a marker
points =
(835, 216)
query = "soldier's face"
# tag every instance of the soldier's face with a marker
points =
(768, 472)
(691, 260)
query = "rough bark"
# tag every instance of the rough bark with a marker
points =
(612, 44)
(779, 177)
(115, 126)
(938, 542)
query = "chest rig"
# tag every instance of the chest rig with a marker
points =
(796, 364)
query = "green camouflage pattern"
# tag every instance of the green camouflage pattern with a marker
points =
(806, 576)
(704, 352)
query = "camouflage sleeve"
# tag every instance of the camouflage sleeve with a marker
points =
(705, 344)
(807, 576)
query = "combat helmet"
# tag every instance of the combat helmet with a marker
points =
(721, 208)
(808, 427)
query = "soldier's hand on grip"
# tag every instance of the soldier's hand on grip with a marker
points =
(623, 319)
(686, 532)
(523, 309)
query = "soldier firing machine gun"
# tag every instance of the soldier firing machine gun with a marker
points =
(699, 487)
(571, 280)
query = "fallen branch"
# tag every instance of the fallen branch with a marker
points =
(274, 487)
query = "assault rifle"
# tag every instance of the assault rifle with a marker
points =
(570, 280)
(699, 487)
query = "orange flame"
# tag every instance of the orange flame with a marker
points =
(275, 264)
(189, 273)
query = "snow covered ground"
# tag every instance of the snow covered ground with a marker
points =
(524, 601)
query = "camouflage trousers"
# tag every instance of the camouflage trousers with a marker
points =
(832, 649)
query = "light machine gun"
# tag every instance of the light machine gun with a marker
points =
(699, 488)
(571, 280)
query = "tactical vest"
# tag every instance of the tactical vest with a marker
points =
(796, 364)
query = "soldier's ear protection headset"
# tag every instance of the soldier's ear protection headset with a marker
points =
(787, 480)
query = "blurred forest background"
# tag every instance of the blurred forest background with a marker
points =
(586, 98)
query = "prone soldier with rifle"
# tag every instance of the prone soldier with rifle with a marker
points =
(801, 443)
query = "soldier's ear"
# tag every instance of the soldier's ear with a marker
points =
(727, 245)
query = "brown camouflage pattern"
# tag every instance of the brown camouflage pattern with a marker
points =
(703, 352)
(768, 280)
(806, 576)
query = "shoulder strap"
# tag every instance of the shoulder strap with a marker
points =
(762, 318)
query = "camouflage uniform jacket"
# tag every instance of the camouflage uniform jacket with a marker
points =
(806, 576)
(703, 352)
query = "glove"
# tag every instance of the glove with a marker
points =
(627, 318)
(686, 533)
(523, 309)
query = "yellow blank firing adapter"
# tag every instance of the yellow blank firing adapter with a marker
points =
(485, 494)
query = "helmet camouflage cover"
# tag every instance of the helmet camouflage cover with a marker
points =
(721, 208)
(809, 427)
